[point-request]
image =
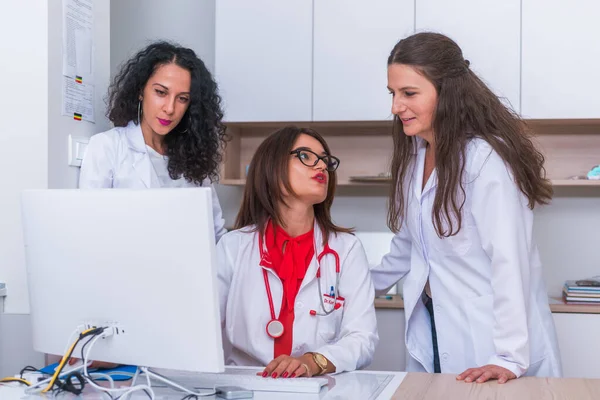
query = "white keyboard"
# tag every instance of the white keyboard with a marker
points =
(248, 380)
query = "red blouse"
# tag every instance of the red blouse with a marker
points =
(290, 266)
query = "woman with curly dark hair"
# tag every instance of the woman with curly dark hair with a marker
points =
(466, 177)
(168, 130)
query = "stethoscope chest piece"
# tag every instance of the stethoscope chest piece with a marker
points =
(275, 329)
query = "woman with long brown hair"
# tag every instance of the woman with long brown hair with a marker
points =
(296, 293)
(466, 179)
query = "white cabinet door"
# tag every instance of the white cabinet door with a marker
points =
(263, 59)
(488, 33)
(578, 343)
(561, 59)
(352, 41)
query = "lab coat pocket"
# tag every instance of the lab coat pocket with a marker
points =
(329, 326)
(458, 244)
(479, 311)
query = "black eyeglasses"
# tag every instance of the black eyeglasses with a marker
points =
(310, 159)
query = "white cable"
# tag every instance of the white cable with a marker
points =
(86, 357)
(120, 391)
(97, 375)
(133, 380)
(35, 389)
(76, 332)
(148, 380)
(125, 395)
(174, 384)
(135, 376)
(147, 383)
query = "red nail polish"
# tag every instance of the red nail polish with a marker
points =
(265, 374)
(274, 375)
(285, 374)
(293, 375)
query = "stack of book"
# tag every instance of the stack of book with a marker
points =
(582, 292)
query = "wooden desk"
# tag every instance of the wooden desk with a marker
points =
(424, 386)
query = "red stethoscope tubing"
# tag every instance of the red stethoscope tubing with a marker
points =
(265, 262)
(269, 296)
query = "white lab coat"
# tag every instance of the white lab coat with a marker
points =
(347, 337)
(118, 158)
(490, 302)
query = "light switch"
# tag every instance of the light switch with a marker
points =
(77, 147)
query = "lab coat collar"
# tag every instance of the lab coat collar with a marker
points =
(420, 192)
(141, 160)
(311, 272)
(135, 138)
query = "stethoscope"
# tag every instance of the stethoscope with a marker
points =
(274, 327)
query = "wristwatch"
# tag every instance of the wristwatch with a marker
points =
(321, 361)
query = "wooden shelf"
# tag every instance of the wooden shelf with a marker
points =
(555, 182)
(570, 148)
(575, 182)
(395, 301)
(557, 305)
(233, 182)
(242, 182)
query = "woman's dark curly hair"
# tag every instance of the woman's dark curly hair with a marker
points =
(196, 144)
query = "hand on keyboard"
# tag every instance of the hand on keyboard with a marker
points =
(291, 367)
(248, 379)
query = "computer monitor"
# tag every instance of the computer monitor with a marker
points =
(141, 259)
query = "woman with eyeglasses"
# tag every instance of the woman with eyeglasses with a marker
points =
(295, 290)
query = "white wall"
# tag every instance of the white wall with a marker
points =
(566, 232)
(34, 138)
(34, 134)
(60, 174)
(136, 23)
(23, 132)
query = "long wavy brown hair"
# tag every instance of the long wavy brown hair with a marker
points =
(268, 175)
(466, 108)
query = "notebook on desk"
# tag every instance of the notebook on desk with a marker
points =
(573, 286)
